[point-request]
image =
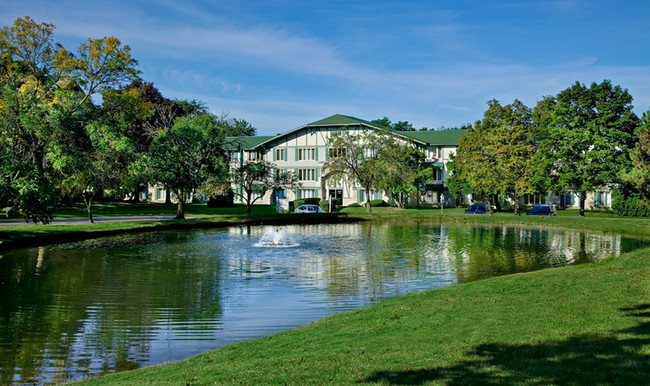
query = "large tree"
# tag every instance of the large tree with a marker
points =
(46, 104)
(255, 178)
(357, 157)
(589, 137)
(187, 155)
(403, 170)
(494, 157)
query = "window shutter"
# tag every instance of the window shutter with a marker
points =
(275, 151)
(316, 154)
(284, 153)
(327, 154)
(317, 172)
(296, 154)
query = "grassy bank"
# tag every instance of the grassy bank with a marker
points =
(581, 325)
(597, 221)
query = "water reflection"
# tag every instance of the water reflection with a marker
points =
(123, 302)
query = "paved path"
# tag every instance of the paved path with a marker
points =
(4, 222)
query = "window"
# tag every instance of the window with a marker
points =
(252, 156)
(368, 153)
(336, 193)
(308, 154)
(307, 174)
(307, 193)
(373, 195)
(280, 155)
(160, 194)
(336, 152)
(535, 199)
(601, 199)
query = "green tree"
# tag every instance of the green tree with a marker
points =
(383, 122)
(356, 157)
(189, 154)
(46, 105)
(494, 157)
(403, 126)
(457, 185)
(27, 85)
(589, 138)
(403, 169)
(255, 178)
(639, 175)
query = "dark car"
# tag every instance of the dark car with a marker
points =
(541, 210)
(476, 209)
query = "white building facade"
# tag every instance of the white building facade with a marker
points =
(304, 151)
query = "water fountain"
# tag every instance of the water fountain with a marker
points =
(276, 239)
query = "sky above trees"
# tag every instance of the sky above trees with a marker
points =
(282, 64)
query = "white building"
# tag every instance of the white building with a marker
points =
(304, 150)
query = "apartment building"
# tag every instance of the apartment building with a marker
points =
(305, 149)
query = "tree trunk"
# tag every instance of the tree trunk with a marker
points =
(583, 198)
(517, 210)
(497, 204)
(88, 200)
(136, 196)
(168, 195)
(180, 212)
(368, 208)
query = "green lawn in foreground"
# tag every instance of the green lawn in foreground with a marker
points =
(575, 325)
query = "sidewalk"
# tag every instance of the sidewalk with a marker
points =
(15, 221)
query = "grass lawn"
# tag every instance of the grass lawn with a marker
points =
(585, 324)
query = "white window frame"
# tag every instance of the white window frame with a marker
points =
(307, 154)
(307, 174)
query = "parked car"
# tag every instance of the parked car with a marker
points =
(541, 210)
(476, 209)
(309, 209)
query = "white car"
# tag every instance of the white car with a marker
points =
(309, 209)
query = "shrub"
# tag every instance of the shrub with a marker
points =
(354, 205)
(325, 205)
(222, 200)
(336, 203)
(378, 203)
(629, 206)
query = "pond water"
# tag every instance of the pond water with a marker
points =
(123, 302)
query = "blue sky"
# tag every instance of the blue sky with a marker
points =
(281, 64)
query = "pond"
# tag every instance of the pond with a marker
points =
(73, 310)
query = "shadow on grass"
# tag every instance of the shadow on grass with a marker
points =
(585, 359)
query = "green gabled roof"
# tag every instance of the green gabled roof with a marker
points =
(343, 120)
(334, 120)
(246, 143)
(435, 137)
